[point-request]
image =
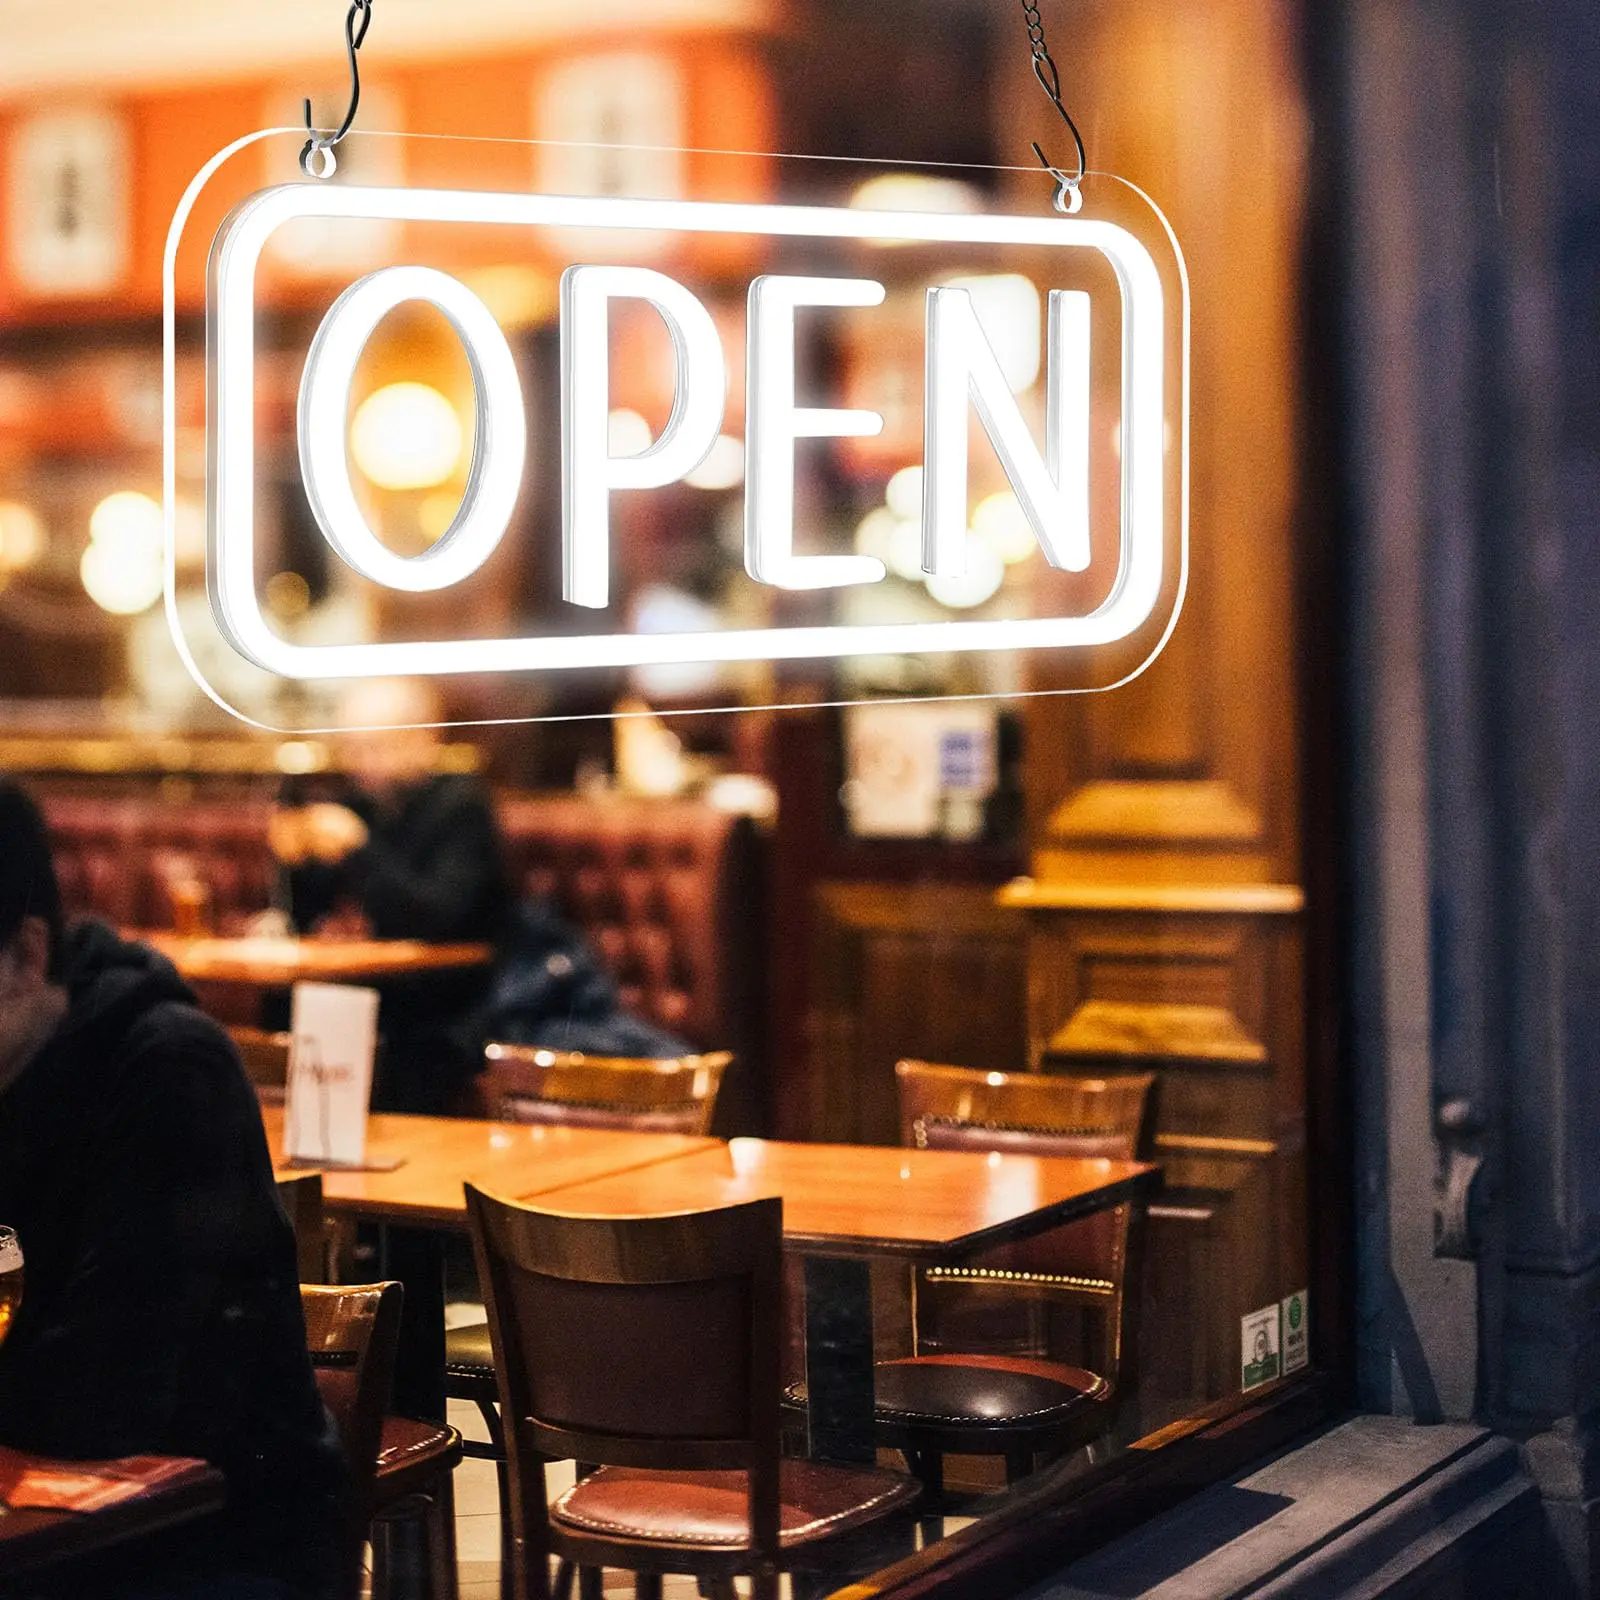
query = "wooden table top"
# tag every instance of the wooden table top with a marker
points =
(871, 1200)
(279, 962)
(32, 1540)
(441, 1153)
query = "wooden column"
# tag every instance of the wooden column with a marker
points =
(1164, 907)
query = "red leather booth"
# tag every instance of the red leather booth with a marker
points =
(670, 892)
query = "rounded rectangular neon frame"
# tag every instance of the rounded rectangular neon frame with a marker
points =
(231, 544)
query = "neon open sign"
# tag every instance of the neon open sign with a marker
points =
(1051, 481)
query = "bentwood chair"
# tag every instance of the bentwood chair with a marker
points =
(351, 1334)
(649, 1348)
(988, 1376)
(414, 1491)
(401, 1469)
(521, 1083)
(266, 1061)
(301, 1196)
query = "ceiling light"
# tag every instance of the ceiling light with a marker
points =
(21, 536)
(904, 555)
(128, 520)
(406, 436)
(437, 512)
(627, 434)
(904, 493)
(121, 578)
(999, 521)
(874, 532)
(1011, 315)
(984, 574)
(723, 467)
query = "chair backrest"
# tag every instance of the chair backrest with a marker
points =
(266, 1061)
(1087, 1264)
(301, 1195)
(351, 1335)
(1032, 1113)
(648, 1342)
(521, 1083)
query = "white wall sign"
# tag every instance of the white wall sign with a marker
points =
(964, 376)
(70, 194)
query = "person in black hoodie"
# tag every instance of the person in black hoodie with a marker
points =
(161, 1310)
(394, 850)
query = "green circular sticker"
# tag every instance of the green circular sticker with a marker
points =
(1295, 1312)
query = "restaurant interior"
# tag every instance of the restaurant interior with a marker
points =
(1006, 972)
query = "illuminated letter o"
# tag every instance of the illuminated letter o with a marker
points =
(499, 445)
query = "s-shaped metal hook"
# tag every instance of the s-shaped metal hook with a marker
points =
(317, 159)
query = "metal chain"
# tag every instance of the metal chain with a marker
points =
(1067, 196)
(318, 150)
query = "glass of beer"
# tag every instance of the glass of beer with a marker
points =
(10, 1279)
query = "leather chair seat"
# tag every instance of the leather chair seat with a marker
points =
(411, 1456)
(980, 1395)
(710, 1510)
(984, 1391)
(468, 1359)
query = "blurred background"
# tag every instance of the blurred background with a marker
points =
(1313, 867)
(911, 107)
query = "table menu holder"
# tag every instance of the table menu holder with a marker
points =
(334, 1033)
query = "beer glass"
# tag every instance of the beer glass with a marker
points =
(10, 1280)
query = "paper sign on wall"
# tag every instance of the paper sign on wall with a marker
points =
(1260, 1335)
(335, 1034)
(1295, 1312)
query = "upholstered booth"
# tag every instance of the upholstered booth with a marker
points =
(670, 892)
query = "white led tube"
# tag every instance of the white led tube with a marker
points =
(1133, 595)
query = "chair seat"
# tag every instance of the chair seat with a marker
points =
(411, 1455)
(468, 1358)
(987, 1394)
(710, 1510)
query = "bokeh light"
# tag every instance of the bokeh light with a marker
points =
(981, 581)
(406, 436)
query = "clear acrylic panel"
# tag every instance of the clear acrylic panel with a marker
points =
(481, 413)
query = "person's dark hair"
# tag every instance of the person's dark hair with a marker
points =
(28, 886)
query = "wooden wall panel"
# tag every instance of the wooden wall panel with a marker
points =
(931, 970)
(1189, 772)
(1165, 906)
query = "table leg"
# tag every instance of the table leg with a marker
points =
(839, 1358)
(415, 1256)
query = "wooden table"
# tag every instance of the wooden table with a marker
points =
(34, 1540)
(277, 963)
(873, 1200)
(439, 1154)
(424, 1193)
(843, 1204)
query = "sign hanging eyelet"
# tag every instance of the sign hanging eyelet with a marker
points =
(1068, 197)
(317, 159)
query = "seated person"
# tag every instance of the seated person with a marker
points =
(161, 1312)
(396, 851)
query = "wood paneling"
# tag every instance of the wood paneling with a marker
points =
(928, 970)
(1188, 772)
(1165, 906)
